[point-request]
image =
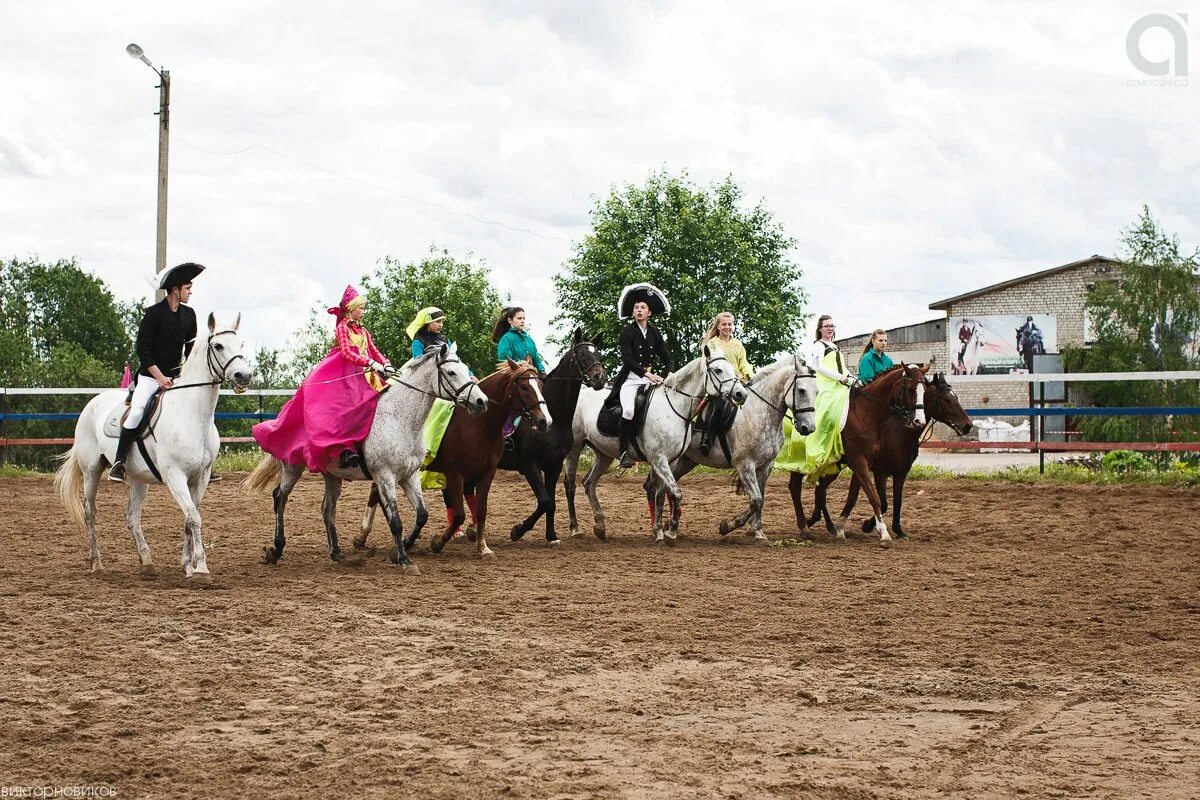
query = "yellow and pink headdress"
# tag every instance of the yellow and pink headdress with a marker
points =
(351, 300)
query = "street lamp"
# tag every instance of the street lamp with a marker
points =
(164, 125)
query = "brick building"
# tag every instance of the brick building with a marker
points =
(913, 344)
(1058, 292)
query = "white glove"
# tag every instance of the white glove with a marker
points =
(375, 365)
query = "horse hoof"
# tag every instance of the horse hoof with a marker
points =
(600, 533)
(670, 540)
(409, 570)
(553, 542)
(338, 556)
(469, 532)
(148, 571)
(885, 542)
(899, 534)
(488, 555)
(437, 543)
(725, 528)
(360, 543)
(197, 580)
(515, 534)
(868, 525)
(270, 555)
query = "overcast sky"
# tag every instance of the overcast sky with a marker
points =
(915, 151)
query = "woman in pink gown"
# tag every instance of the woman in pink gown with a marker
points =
(331, 413)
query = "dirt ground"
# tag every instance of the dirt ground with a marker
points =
(1028, 641)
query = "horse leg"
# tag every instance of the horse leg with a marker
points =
(412, 490)
(821, 503)
(533, 476)
(656, 509)
(862, 471)
(851, 501)
(571, 465)
(333, 491)
(795, 489)
(482, 486)
(897, 497)
(662, 469)
(764, 472)
(133, 517)
(550, 481)
(749, 479)
(287, 481)
(682, 467)
(91, 483)
(880, 487)
(364, 530)
(195, 568)
(599, 467)
(458, 515)
(385, 480)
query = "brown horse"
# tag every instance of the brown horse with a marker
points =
(897, 392)
(898, 451)
(473, 445)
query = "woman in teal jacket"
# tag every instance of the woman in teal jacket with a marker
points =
(874, 360)
(511, 339)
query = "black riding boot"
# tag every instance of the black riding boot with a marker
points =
(349, 460)
(708, 427)
(626, 436)
(117, 472)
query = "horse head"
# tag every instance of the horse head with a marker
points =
(454, 382)
(944, 405)
(524, 395)
(720, 378)
(585, 361)
(226, 357)
(907, 394)
(804, 394)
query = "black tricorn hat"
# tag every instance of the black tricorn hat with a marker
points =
(178, 276)
(646, 293)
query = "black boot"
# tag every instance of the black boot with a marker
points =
(117, 472)
(707, 428)
(349, 460)
(626, 436)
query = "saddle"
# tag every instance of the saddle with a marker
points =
(608, 421)
(116, 418)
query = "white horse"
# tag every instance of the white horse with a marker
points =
(182, 442)
(968, 364)
(393, 452)
(664, 437)
(755, 438)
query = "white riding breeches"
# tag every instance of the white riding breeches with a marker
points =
(143, 390)
(629, 390)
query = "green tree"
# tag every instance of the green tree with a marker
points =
(57, 304)
(1146, 320)
(700, 246)
(397, 290)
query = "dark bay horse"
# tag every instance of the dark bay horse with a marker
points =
(897, 392)
(472, 446)
(898, 450)
(539, 455)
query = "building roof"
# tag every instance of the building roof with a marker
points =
(944, 305)
(918, 333)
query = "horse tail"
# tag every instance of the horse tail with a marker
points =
(68, 483)
(265, 476)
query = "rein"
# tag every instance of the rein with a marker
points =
(455, 396)
(782, 410)
(215, 367)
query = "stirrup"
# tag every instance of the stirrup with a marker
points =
(116, 473)
(349, 460)
(627, 460)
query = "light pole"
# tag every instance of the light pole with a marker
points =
(164, 127)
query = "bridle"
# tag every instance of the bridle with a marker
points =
(580, 371)
(710, 376)
(526, 410)
(792, 388)
(908, 413)
(453, 394)
(218, 370)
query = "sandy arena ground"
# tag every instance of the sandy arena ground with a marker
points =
(1027, 642)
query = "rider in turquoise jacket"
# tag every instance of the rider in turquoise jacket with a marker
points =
(512, 341)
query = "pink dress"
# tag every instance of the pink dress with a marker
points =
(334, 407)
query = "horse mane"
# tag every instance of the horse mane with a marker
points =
(683, 373)
(503, 370)
(770, 369)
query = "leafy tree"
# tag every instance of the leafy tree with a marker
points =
(57, 304)
(700, 246)
(1146, 320)
(396, 291)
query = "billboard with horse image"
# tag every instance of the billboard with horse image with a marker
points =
(998, 344)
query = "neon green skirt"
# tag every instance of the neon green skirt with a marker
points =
(432, 433)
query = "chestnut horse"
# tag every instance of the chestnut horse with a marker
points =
(897, 392)
(472, 446)
(898, 450)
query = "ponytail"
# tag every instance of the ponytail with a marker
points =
(503, 325)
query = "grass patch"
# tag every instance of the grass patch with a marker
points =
(237, 460)
(13, 471)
